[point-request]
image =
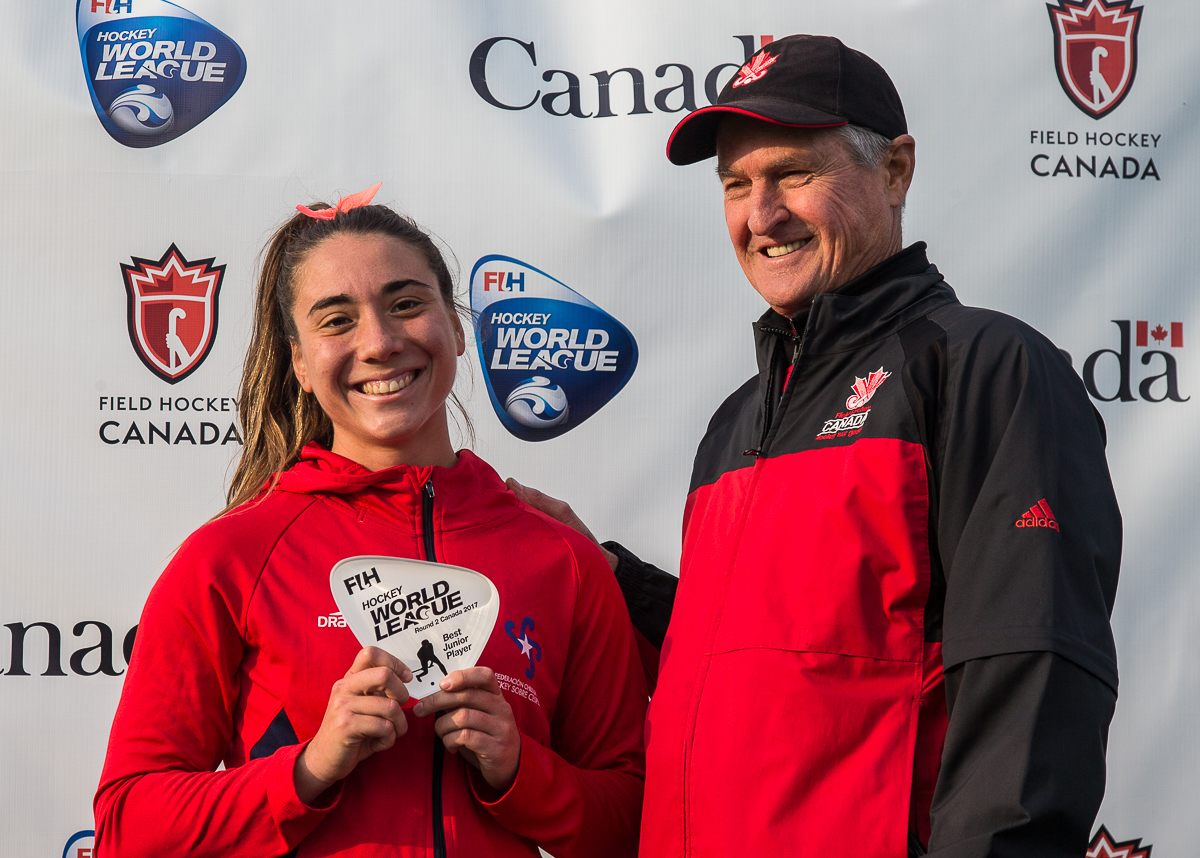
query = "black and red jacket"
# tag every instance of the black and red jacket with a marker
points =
(921, 515)
(240, 643)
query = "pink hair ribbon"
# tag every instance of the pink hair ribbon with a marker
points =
(344, 205)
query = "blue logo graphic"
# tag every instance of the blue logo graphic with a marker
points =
(537, 403)
(157, 72)
(82, 849)
(529, 647)
(551, 358)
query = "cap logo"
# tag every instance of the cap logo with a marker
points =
(755, 69)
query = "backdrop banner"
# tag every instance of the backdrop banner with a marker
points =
(151, 147)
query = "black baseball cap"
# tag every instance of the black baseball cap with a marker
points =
(799, 82)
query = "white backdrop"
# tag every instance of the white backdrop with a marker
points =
(337, 97)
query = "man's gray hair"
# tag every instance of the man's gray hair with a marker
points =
(866, 147)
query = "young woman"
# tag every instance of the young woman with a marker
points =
(241, 658)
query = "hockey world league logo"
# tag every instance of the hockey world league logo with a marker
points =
(172, 312)
(155, 70)
(550, 357)
(1095, 51)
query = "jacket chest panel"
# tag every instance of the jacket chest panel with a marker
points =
(308, 646)
(833, 400)
(831, 554)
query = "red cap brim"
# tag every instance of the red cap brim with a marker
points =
(695, 137)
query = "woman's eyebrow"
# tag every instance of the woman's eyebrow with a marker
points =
(388, 289)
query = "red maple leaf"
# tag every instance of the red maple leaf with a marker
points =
(1159, 333)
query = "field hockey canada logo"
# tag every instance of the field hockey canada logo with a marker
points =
(851, 421)
(172, 312)
(1104, 845)
(155, 70)
(1095, 51)
(756, 69)
(551, 358)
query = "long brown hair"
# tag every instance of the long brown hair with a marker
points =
(278, 418)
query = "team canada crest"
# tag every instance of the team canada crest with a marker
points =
(172, 312)
(864, 388)
(848, 423)
(1095, 51)
(755, 69)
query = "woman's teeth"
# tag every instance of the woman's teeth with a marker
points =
(378, 388)
(785, 249)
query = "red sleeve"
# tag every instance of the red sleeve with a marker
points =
(159, 794)
(583, 797)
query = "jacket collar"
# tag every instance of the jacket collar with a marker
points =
(466, 494)
(873, 306)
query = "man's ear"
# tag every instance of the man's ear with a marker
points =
(899, 163)
(300, 368)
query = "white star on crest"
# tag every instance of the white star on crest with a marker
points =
(526, 646)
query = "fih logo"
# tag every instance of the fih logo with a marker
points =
(1095, 51)
(157, 72)
(172, 312)
(1103, 845)
(81, 844)
(1139, 334)
(551, 358)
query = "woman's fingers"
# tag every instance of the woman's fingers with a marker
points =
(363, 716)
(478, 721)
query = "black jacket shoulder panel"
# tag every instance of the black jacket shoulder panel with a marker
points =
(731, 431)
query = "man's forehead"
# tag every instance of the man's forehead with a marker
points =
(786, 146)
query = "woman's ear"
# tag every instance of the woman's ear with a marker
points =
(460, 336)
(300, 368)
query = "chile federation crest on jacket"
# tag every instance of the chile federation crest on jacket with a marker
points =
(172, 312)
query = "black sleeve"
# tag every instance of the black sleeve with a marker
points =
(1028, 529)
(1026, 552)
(1023, 764)
(649, 593)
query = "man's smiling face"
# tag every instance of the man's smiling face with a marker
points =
(803, 216)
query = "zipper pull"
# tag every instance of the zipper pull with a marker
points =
(429, 488)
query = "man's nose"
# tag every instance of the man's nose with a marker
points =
(767, 210)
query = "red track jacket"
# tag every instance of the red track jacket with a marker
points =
(927, 493)
(240, 643)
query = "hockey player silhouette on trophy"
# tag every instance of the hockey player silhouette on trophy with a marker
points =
(428, 659)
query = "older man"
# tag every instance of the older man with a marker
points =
(901, 542)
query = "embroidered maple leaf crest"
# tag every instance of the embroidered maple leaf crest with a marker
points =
(1159, 333)
(864, 388)
(755, 69)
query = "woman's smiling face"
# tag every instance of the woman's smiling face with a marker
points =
(378, 346)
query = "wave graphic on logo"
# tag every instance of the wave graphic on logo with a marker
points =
(542, 345)
(140, 110)
(537, 403)
(155, 74)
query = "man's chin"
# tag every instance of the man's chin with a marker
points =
(788, 299)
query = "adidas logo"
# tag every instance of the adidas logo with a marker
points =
(1039, 515)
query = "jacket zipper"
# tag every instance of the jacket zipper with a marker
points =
(769, 407)
(439, 750)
